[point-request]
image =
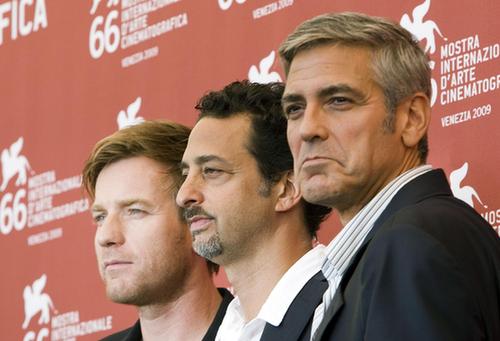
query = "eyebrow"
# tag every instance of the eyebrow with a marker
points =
(122, 203)
(291, 98)
(97, 208)
(200, 160)
(325, 92)
(340, 88)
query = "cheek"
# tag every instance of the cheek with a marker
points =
(294, 142)
(99, 260)
(97, 249)
(219, 199)
(168, 238)
(367, 151)
(236, 206)
(165, 255)
(291, 133)
(355, 138)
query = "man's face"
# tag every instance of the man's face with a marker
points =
(143, 249)
(223, 193)
(343, 153)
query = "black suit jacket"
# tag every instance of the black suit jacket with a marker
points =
(428, 271)
(296, 324)
(134, 333)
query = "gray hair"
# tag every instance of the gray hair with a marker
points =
(400, 66)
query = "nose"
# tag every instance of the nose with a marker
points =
(110, 232)
(190, 193)
(313, 125)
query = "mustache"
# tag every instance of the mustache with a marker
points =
(191, 212)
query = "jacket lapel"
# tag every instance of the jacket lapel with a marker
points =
(428, 184)
(299, 315)
(331, 313)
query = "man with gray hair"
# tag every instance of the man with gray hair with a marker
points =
(411, 262)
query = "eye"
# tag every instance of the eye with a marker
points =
(135, 211)
(293, 111)
(211, 172)
(98, 218)
(184, 172)
(183, 177)
(339, 102)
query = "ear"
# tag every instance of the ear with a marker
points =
(289, 193)
(417, 116)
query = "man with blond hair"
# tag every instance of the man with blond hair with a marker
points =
(411, 262)
(143, 245)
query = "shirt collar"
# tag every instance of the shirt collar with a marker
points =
(343, 247)
(288, 287)
(284, 292)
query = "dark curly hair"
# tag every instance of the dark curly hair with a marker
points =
(267, 141)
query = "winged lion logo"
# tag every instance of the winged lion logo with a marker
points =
(464, 193)
(129, 118)
(35, 301)
(14, 164)
(263, 74)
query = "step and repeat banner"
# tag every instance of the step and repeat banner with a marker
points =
(72, 72)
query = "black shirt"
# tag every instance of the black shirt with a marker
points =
(134, 333)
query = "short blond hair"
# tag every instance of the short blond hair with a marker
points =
(162, 141)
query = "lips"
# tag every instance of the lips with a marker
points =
(314, 160)
(199, 223)
(116, 264)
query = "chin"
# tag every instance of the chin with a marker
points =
(321, 190)
(127, 297)
(316, 198)
(314, 192)
(119, 297)
(208, 248)
(120, 291)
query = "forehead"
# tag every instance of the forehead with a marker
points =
(132, 177)
(222, 137)
(323, 65)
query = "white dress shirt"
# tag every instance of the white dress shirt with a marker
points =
(234, 326)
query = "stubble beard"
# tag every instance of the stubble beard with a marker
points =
(147, 289)
(147, 293)
(126, 293)
(208, 249)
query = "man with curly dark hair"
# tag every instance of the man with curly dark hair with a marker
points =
(246, 213)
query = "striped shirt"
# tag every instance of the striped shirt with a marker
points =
(344, 246)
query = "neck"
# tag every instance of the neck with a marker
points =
(410, 161)
(199, 300)
(255, 275)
